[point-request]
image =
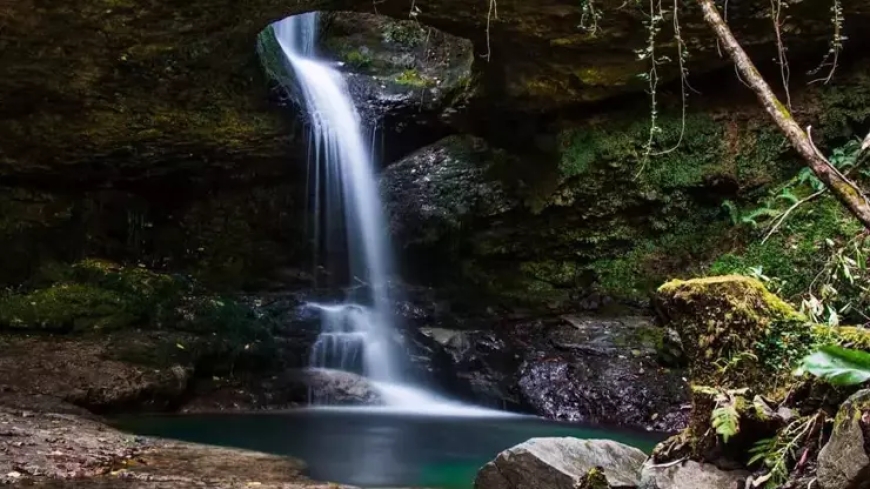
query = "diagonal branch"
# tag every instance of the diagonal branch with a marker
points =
(844, 190)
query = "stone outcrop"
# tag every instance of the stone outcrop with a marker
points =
(132, 89)
(560, 463)
(844, 462)
(690, 475)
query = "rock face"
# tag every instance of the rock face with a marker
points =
(574, 368)
(844, 463)
(690, 475)
(559, 463)
(410, 81)
(145, 95)
(606, 372)
(228, 236)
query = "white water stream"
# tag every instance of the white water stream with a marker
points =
(353, 336)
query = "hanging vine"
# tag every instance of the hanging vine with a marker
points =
(589, 17)
(832, 57)
(776, 15)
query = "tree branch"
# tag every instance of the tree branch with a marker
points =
(844, 190)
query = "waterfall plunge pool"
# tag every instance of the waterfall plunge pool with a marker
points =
(373, 448)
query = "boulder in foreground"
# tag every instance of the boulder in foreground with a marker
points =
(844, 463)
(560, 463)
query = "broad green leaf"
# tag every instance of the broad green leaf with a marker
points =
(837, 365)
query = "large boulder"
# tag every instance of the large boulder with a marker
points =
(560, 463)
(690, 475)
(844, 462)
(441, 188)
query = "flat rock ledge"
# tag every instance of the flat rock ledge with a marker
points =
(70, 449)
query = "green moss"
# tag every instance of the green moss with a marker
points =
(67, 307)
(413, 78)
(357, 59)
(99, 295)
(845, 105)
(795, 255)
(620, 147)
(594, 478)
(405, 34)
(684, 247)
(736, 333)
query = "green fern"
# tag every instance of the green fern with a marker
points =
(787, 195)
(726, 421)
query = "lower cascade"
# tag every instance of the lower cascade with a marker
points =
(355, 336)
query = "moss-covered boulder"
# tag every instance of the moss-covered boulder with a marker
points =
(734, 331)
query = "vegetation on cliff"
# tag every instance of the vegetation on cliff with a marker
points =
(97, 297)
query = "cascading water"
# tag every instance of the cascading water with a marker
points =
(343, 175)
(353, 337)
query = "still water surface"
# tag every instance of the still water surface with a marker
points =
(375, 449)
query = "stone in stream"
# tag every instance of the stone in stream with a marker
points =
(690, 475)
(844, 463)
(561, 463)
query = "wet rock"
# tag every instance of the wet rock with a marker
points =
(409, 80)
(441, 188)
(844, 462)
(560, 463)
(604, 371)
(690, 475)
(484, 362)
(87, 371)
(294, 388)
(333, 387)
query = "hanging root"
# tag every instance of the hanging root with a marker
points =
(832, 57)
(490, 14)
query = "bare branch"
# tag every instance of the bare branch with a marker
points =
(843, 189)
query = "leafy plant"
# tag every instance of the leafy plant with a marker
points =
(778, 452)
(837, 365)
(726, 421)
(725, 418)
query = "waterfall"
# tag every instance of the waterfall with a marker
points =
(345, 192)
(357, 335)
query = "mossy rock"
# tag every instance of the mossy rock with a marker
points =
(735, 332)
(97, 295)
(593, 479)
